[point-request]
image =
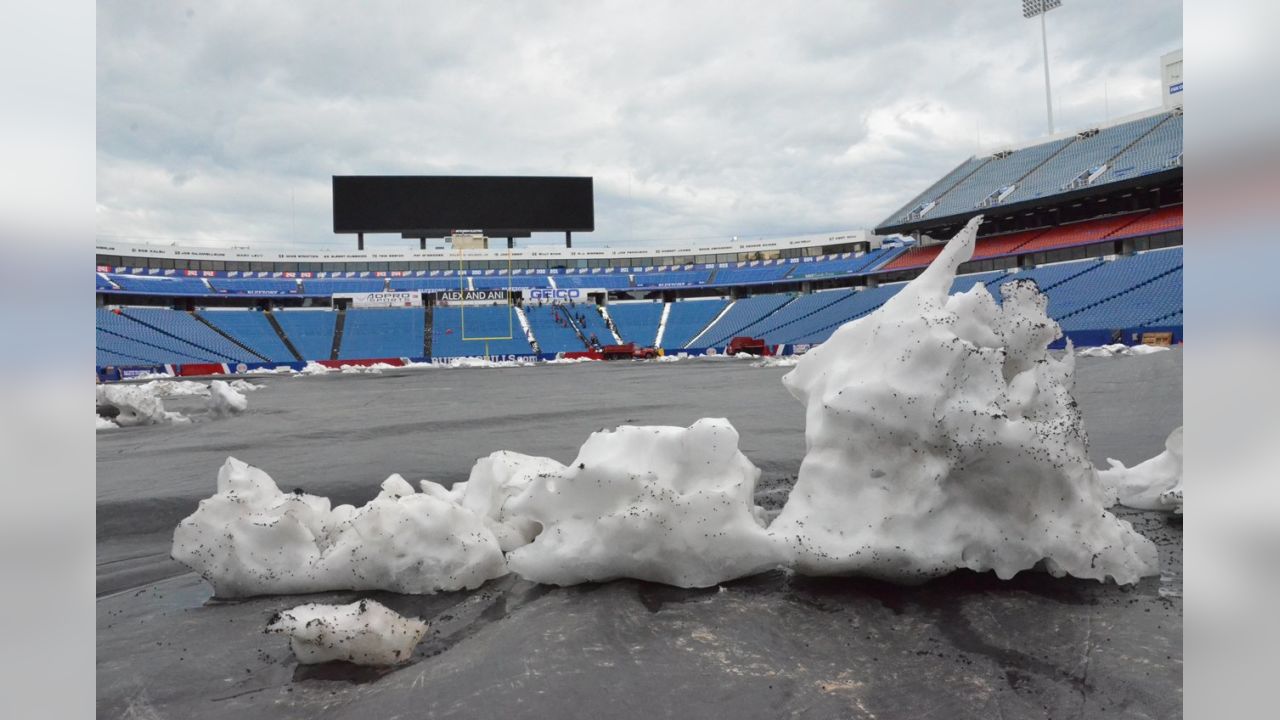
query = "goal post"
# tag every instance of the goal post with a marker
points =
(487, 335)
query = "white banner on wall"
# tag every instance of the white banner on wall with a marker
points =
(564, 295)
(382, 299)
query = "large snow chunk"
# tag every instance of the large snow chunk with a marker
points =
(1154, 484)
(493, 482)
(252, 539)
(665, 504)
(364, 633)
(225, 400)
(940, 435)
(137, 405)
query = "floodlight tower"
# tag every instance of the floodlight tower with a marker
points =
(1030, 9)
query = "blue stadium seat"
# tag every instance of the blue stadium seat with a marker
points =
(310, 331)
(252, 329)
(382, 333)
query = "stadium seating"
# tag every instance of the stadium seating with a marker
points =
(611, 281)
(1163, 220)
(185, 327)
(252, 329)
(552, 337)
(999, 172)
(637, 322)
(1110, 280)
(1080, 156)
(485, 282)
(937, 190)
(160, 285)
(1152, 155)
(1130, 149)
(742, 314)
(382, 333)
(404, 284)
(594, 324)
(687, 318)
(749, 273)
(329, 286)
(310, 331)
(143, 345)
(119, 333)
(1139, 305)
(254, 286)
(672, 278)
(481, 321)
(816, 326)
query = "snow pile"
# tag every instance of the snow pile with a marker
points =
(151, 376)
(252, 539)
(105, 424)
(174, 388)
(664, 504)
(942, 435)
(278, 370)
(372, 369)
(777, 361)
(137, 405)
(493, 482)
(364, 633)
(312, 368)
(475, 362)
(225, 400)
(244, 386)
(1119, 349)
(1154, 484)
(569, 361)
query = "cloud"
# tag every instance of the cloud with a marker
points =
(221, 123)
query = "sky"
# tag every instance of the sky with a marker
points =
(221, 123)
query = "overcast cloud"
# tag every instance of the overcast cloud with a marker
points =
(221, 123)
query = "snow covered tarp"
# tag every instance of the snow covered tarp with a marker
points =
(941, 435)
(1154, 484)
(664, 504)
(252, 539)
(364, 633)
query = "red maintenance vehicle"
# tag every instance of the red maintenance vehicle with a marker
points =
(748, 345)
(628, 351)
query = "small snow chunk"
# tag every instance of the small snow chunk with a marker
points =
(1154, 484)
(364, 633)
(225, 400)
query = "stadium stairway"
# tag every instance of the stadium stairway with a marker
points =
(339, 322)
(426, 332)
(275, 324)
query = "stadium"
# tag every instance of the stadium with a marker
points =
(1094, 217)
(989, 379)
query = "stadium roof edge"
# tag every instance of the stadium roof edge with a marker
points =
(923, 224)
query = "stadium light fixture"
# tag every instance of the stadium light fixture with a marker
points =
(1030, 9)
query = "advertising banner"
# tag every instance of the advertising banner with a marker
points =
(381, 299)
(471, 297)
(564, 295)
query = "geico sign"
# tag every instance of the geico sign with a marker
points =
(554, 294)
